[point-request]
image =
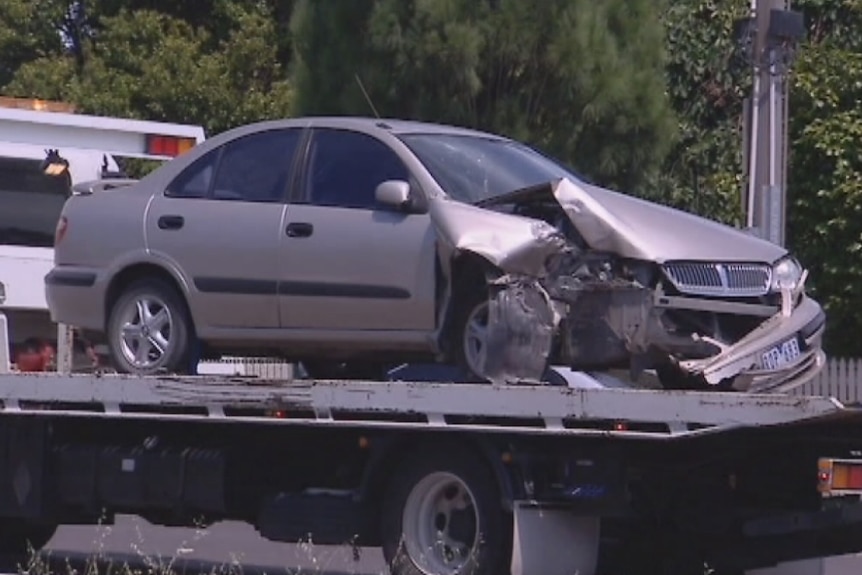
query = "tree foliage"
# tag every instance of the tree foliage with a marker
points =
(708, 78)
(148, 63)
(641, 95)
(579, 79)
(29, 29)
(825, 190)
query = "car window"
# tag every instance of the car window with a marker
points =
(194, 181)
(253, 168)
(256, 168)
(475, 168)
(346, 167)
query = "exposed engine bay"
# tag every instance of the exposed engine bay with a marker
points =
(594, 310)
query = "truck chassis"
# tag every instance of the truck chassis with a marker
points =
(616, 481)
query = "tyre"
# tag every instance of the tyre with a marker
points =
(442, 515)
(470, 332)
(19, 539)
(149, 329)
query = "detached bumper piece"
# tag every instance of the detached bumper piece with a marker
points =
(781, 354)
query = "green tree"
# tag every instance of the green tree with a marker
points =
(29, 29)
(825, 167)
(580, 79)
(708, 79)
(153, 65)
(708, 76)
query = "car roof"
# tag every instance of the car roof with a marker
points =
(370, 125)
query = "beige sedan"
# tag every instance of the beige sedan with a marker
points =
(350, 244)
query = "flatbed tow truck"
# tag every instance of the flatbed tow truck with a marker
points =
(560, 479)
(589, 476)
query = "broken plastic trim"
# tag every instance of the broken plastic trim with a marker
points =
(521, 326)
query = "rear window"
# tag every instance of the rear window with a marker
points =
(30, 203)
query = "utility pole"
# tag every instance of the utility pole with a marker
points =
(773, 31)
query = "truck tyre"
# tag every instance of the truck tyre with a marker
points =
(18, 539)
(149, 329)
(442, 515)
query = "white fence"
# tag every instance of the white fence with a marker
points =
(840, 378)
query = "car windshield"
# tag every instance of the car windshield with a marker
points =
(474, 168)
(30, 203)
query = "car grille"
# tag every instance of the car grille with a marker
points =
(720, 279)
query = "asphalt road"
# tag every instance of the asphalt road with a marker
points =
(236, 549)
(224, 548)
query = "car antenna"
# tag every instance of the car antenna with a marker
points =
(367, 97)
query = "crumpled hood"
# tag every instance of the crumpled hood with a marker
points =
(512, 243)
(635, 228)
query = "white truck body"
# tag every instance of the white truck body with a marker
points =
(91, 145)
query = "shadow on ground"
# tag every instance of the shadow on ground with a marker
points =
(52, 563)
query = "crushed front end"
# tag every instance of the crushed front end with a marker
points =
(696, 325)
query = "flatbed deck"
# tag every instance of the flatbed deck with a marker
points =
(532, 409)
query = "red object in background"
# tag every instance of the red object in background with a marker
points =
(34, 359)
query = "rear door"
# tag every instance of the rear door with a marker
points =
(346, 262)
(220, 221)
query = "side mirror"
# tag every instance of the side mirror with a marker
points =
(394, 193)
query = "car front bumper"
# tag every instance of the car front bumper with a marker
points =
(782, 353)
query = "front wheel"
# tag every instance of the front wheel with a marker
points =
(470, 341)
(442, 516)
(149, 330)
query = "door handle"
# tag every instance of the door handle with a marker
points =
(299, 230)
(171, 222)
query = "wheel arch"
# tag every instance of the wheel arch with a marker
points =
(467, 271)
(387, 452)
(138, 271)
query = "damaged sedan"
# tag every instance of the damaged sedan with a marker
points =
(353, 244)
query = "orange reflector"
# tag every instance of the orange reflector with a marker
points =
(170, 146)
(839, 475)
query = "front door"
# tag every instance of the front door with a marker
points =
(219, 223)
(347, 263)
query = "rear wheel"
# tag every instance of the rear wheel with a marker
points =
(442, 515)
(149, 329)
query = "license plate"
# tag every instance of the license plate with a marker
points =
(782, 354)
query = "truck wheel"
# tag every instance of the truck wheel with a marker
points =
(18, 539)
(149, 329)
(442, 515)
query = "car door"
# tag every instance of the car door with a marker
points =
(219, 222)
(346, 262)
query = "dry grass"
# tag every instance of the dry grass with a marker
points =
(137, 561)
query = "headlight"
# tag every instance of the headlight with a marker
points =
(786, 274)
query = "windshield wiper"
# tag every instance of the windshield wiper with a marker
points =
(515, 195)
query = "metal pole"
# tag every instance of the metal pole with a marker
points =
(765, 208)
(753, 129)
